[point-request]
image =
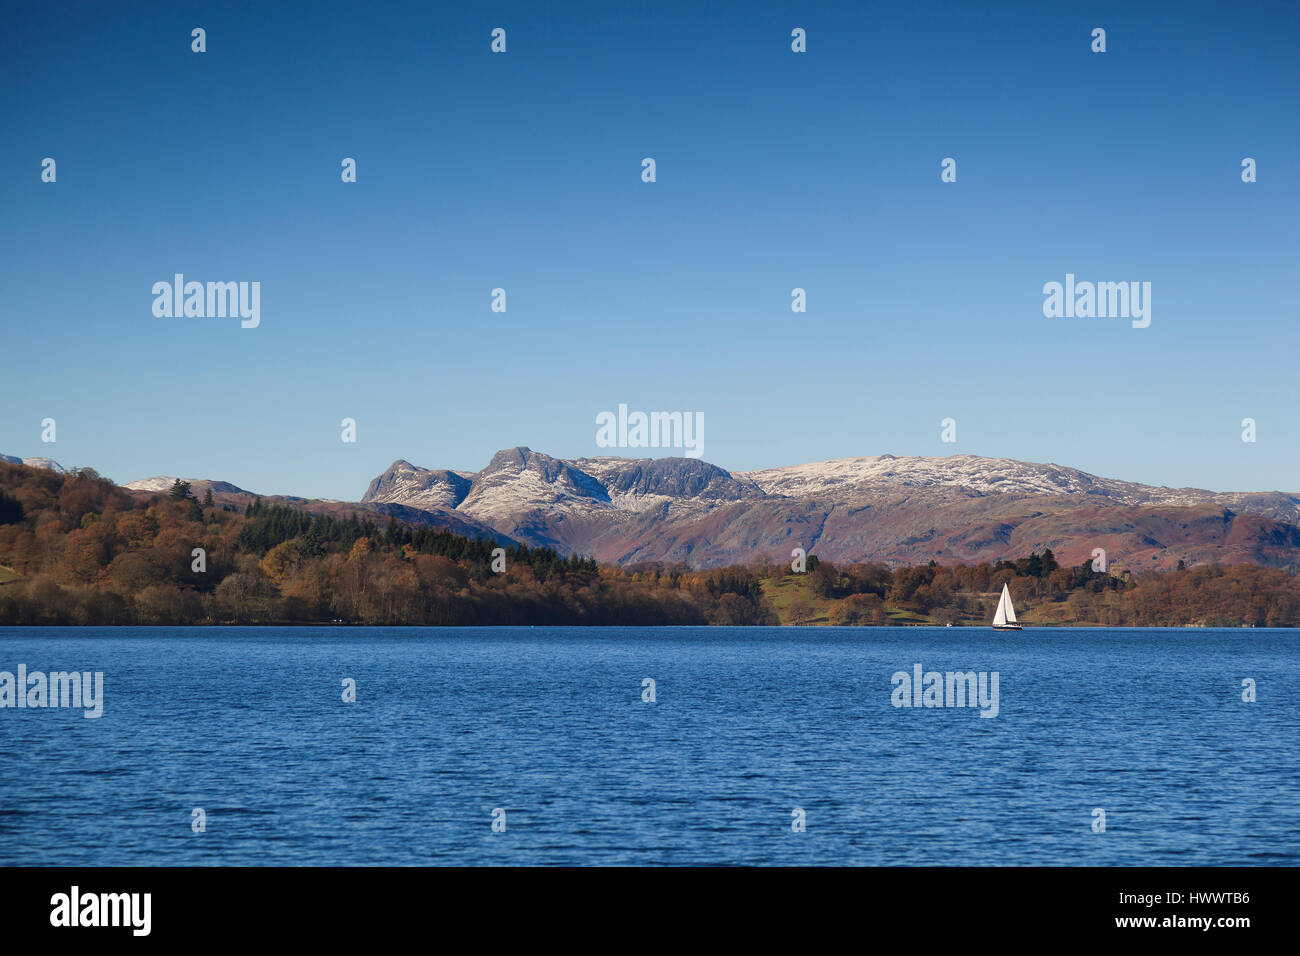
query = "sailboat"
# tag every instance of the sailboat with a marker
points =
(1004, 619)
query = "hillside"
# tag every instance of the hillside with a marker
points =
(77, 549)
(896, 510)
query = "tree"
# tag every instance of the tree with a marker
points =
(858, 609)
(1049, 564)
(800, 611)
(825, 579)
(11, 509)
(180, 490)
(207, 497)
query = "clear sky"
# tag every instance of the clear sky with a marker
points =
(775, 170)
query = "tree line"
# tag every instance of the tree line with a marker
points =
(76, 549)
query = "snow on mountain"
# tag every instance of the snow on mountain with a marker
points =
(165, 482)
(632, 482)
(47, 463)
(157, 483)
(970, 473)
(972, 476)
(403, 483)
(518, 480)
(883, 507)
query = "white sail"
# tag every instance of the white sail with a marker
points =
(1006, 612)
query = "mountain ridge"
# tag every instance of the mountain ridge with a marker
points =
(884, 507)
(47, 463)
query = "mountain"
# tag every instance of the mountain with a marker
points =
(197, 485)
(426, 509)
(419, 487)
(961, 508)
(47, 463)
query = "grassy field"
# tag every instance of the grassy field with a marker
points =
(793, 600)
(787, 593)
(7, 574)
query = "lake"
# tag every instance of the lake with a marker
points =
(748, 725)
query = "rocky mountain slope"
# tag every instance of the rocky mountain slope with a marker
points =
(882, 508)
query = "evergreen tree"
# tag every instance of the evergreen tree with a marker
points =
(1049, 564)
(11, 509)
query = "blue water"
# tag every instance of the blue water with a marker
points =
(750, 723)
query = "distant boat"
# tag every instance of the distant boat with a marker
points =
(1004, 619)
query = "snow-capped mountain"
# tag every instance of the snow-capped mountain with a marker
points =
(986, 476)
(874, 508)
(47, 463)
(977, 475)
(165, 482)
(403, 483)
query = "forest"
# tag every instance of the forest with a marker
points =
(75, 549)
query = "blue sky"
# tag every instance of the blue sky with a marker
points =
(775, 170)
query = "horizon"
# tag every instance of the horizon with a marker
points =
(730, 471)
(776, 171)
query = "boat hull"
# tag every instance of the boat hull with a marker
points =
(1007, 627)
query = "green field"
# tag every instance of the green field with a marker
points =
(793, 600)
(786, 594)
